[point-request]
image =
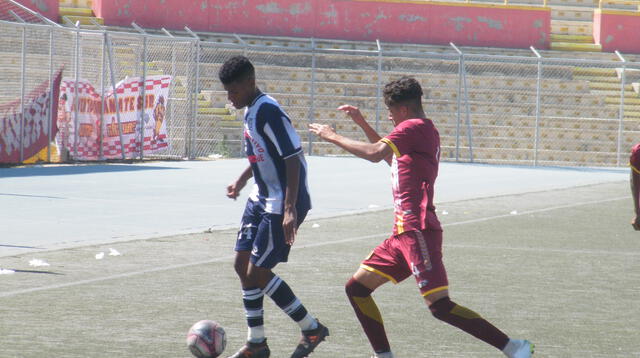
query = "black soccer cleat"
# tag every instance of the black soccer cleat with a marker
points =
(253, 350)
(310, 340)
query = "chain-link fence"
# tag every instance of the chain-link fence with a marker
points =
(489, 107)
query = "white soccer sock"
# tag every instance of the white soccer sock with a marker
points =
(512, 347)
(255, 334)
(308, 323)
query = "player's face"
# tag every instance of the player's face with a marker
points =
(240, 92)
(398, 113)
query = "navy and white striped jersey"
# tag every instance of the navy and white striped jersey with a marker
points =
(270, 139)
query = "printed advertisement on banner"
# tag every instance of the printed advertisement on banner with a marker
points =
(31, 129)
(92, 130)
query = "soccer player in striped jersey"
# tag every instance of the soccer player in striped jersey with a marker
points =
(276, 207)
(415, 248)
(634, 162)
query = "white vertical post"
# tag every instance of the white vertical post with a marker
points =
(52, 110)
(143, 93)
(76, 129)
(379, 86)
(170, 106)
(538, 89)
(115, 91)
(312, 107)
(459, 99)
(102, 90)
(192, 135)
(23, 66)
(621, 114)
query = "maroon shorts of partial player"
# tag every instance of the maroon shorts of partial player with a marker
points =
(417, 253)
(634, 160)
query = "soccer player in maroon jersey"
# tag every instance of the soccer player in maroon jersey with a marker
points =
(415, 248)
(634, 162)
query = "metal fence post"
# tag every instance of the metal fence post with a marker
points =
(379, 86)
(171, 107)
(463, 82)
(115, 91)
(194, 122)
(621, 114)
(466, 100)
(143, 93)
(102, 90)
(76, 122)
(538, 88)
(51, 93)
(23, 66)
(312, 106)
(459, 99)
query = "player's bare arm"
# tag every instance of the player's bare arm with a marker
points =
(373, 152)
(635, 182)
(358, 118)
(233, 189)
(290, 217)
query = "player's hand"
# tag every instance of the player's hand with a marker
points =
(353, 112)
(233, 189)
(322, 130)
(635, 222)
(289, 224)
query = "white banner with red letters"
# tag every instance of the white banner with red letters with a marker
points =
(130, 102)
(34, 120)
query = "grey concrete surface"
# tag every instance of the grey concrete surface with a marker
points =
(51, 207)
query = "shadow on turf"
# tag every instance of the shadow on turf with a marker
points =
(20, 246)
(37, 272)
(74, 169)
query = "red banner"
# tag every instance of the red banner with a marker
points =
(37, 121)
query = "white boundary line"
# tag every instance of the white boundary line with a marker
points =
(357, 238)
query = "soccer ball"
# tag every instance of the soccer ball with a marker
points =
(206, 339)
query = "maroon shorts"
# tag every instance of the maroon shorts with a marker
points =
(634, 160)
(417, 253)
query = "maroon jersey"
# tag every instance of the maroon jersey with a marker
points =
(416, 148)
(634, 160)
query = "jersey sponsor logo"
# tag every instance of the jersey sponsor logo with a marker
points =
(256, 158)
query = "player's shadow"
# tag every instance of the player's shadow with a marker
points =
(75, 169)
(38, 272)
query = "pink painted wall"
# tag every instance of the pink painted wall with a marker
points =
(390, 20)
(617, 31)
(49, 8)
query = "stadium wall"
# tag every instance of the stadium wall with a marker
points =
(409, 21)
(617, 30)
(49, 8)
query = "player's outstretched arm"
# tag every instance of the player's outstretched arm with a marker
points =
(233, 189)
(358, 118)
(373, 152)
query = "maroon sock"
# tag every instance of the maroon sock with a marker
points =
(368, 315)
(468, 321)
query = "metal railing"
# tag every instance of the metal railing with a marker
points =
(523, 109)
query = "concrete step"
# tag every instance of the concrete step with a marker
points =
(84, 20)
(75, 11)
(577, 47)
(572, 38)
(594, 72)
(77, 3)
(567, 27)
(573, 13)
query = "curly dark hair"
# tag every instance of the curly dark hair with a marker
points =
(235, 69)
(405, 90)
